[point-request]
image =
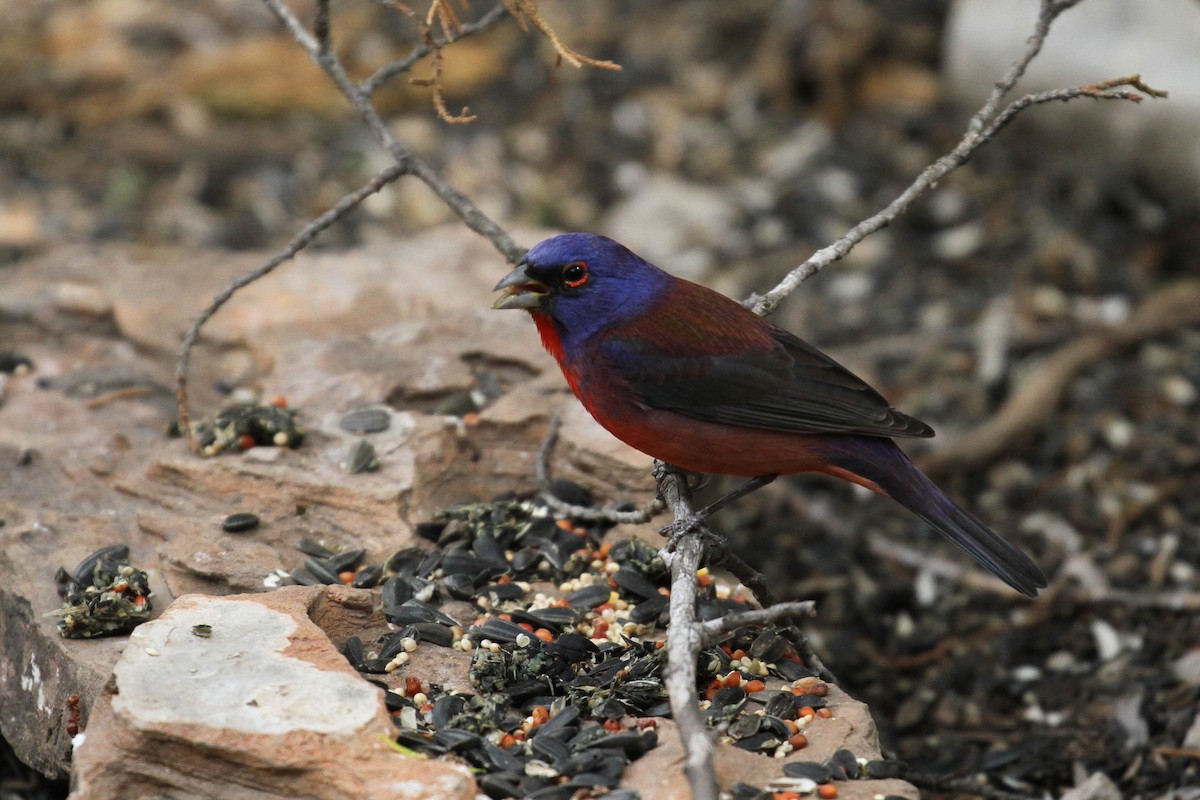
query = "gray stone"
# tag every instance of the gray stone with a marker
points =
(261, 706)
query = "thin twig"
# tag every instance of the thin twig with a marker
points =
(753, 580)
(605, 514)
(382, 75)
(298, 243)
(984, 125)
(715, 628)
(467, 211)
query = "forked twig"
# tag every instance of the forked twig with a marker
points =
(984, 125)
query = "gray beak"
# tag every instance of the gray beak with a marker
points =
(520, 290)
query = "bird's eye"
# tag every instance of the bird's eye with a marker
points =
(575, 274)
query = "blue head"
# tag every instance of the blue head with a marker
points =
(584, 282)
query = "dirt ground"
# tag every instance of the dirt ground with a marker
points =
(741, 137)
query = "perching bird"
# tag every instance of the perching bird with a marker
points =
(691, 377)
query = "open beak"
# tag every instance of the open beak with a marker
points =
(520, 290)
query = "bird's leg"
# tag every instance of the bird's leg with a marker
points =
(682, 526)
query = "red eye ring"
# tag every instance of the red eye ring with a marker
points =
(575, 274)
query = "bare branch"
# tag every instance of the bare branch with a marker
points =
(684, 639)
(298, 243)
(983, 126)
(715, 628)
(467, 211)
(528, 10)
(381, 76)
(753, 580)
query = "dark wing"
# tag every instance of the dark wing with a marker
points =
(784, 384)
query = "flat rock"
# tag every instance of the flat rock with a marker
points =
(659, 774)
(86, 463)
(264, 690)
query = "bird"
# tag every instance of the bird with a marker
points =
(693, 378)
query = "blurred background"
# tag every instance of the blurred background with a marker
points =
(738, 138)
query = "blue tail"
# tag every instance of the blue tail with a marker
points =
(882, 463)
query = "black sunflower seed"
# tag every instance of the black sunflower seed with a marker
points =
(630, 742)
(393, 643)
(487, 548)
(635, 583)
(606, 773)
(573, 647)
(808, 769)
(365, 420)
(502, 759)
(729, 696)
(11, 361)
(367, 577)
(610, 708)
(793, 670)
(446, 708)
(434, 633)
(305, 578)
(395, 702)
(745, 726)
(404, 562)
(768, 646)
(781, 704)
(810, 700)
(583, 761)
(500, 592)
(362, 458)
(498, 785)
(429, 530)
(85, 570)
(428, 564)
(413, 610)
(560, 792)
(559, 724)
(649, 610)
(844, 765)
(708, 609)
(570, 492)
(775, 725)
(454, 739)
(499, 630)
(525, 559)
(555, 750)
(311, 547)
(239, 523)
(353, 651)
(395, 591)
(589, 596)
(461, 587)
(662, 709)
(374, 666)
(342, 562)
(321, 572)
(417, 740)
(759, 742)
(744, 791)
